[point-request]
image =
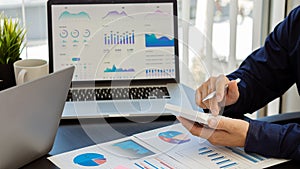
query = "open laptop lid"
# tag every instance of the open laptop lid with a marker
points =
(30, 115)
(115, 40)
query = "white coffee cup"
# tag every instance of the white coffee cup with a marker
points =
(30, 69)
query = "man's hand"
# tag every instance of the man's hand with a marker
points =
(224, 97)
(222, 131)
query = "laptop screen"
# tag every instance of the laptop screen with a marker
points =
(135, 40)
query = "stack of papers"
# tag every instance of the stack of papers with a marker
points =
(171, 147)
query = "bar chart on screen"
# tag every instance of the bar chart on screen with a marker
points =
(119, 38)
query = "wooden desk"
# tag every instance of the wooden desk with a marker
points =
(75, 134)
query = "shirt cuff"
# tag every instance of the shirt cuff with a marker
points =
(262, 138)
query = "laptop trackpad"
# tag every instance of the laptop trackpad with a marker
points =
(145, 106)
(119, 107)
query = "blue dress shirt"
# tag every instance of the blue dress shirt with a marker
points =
(266, 74)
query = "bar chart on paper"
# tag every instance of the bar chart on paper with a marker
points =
(209, 156)
(158, 162)
(251, 157)
(217, 158)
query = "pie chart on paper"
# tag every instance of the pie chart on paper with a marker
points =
(174, 137)
(89, 159)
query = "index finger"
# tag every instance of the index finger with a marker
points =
(198, 99)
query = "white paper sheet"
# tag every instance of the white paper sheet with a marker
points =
(171, 147)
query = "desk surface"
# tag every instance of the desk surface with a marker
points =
(75, 134)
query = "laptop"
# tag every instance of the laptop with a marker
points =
(30, 115)
(125, 54)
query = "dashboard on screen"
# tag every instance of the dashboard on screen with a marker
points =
(133, 41)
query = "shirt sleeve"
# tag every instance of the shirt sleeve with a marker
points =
(266, 74)
(269, 71)
(273, 140)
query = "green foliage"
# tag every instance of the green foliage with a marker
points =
(11, 40)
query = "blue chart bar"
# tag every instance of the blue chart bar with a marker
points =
(222, 162)
(117, 38)
(244, 155)
(138, 166)
(229, 165)
(151, 164)
(212, 155)
(257, 157)
(203, 148)
(111, 39)
(205, 152)
(132, 36)
(217, 158)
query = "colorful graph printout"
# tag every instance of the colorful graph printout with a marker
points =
(138, 152)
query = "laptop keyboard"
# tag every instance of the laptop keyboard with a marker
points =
(118, 93)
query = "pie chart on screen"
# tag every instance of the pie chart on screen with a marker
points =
(89, 159)
(174, 137)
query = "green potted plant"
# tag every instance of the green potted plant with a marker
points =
(11, 45)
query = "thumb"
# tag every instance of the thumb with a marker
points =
(232, 94)
(233, 86)
(222, 123)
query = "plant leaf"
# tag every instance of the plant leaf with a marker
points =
(11, 39)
